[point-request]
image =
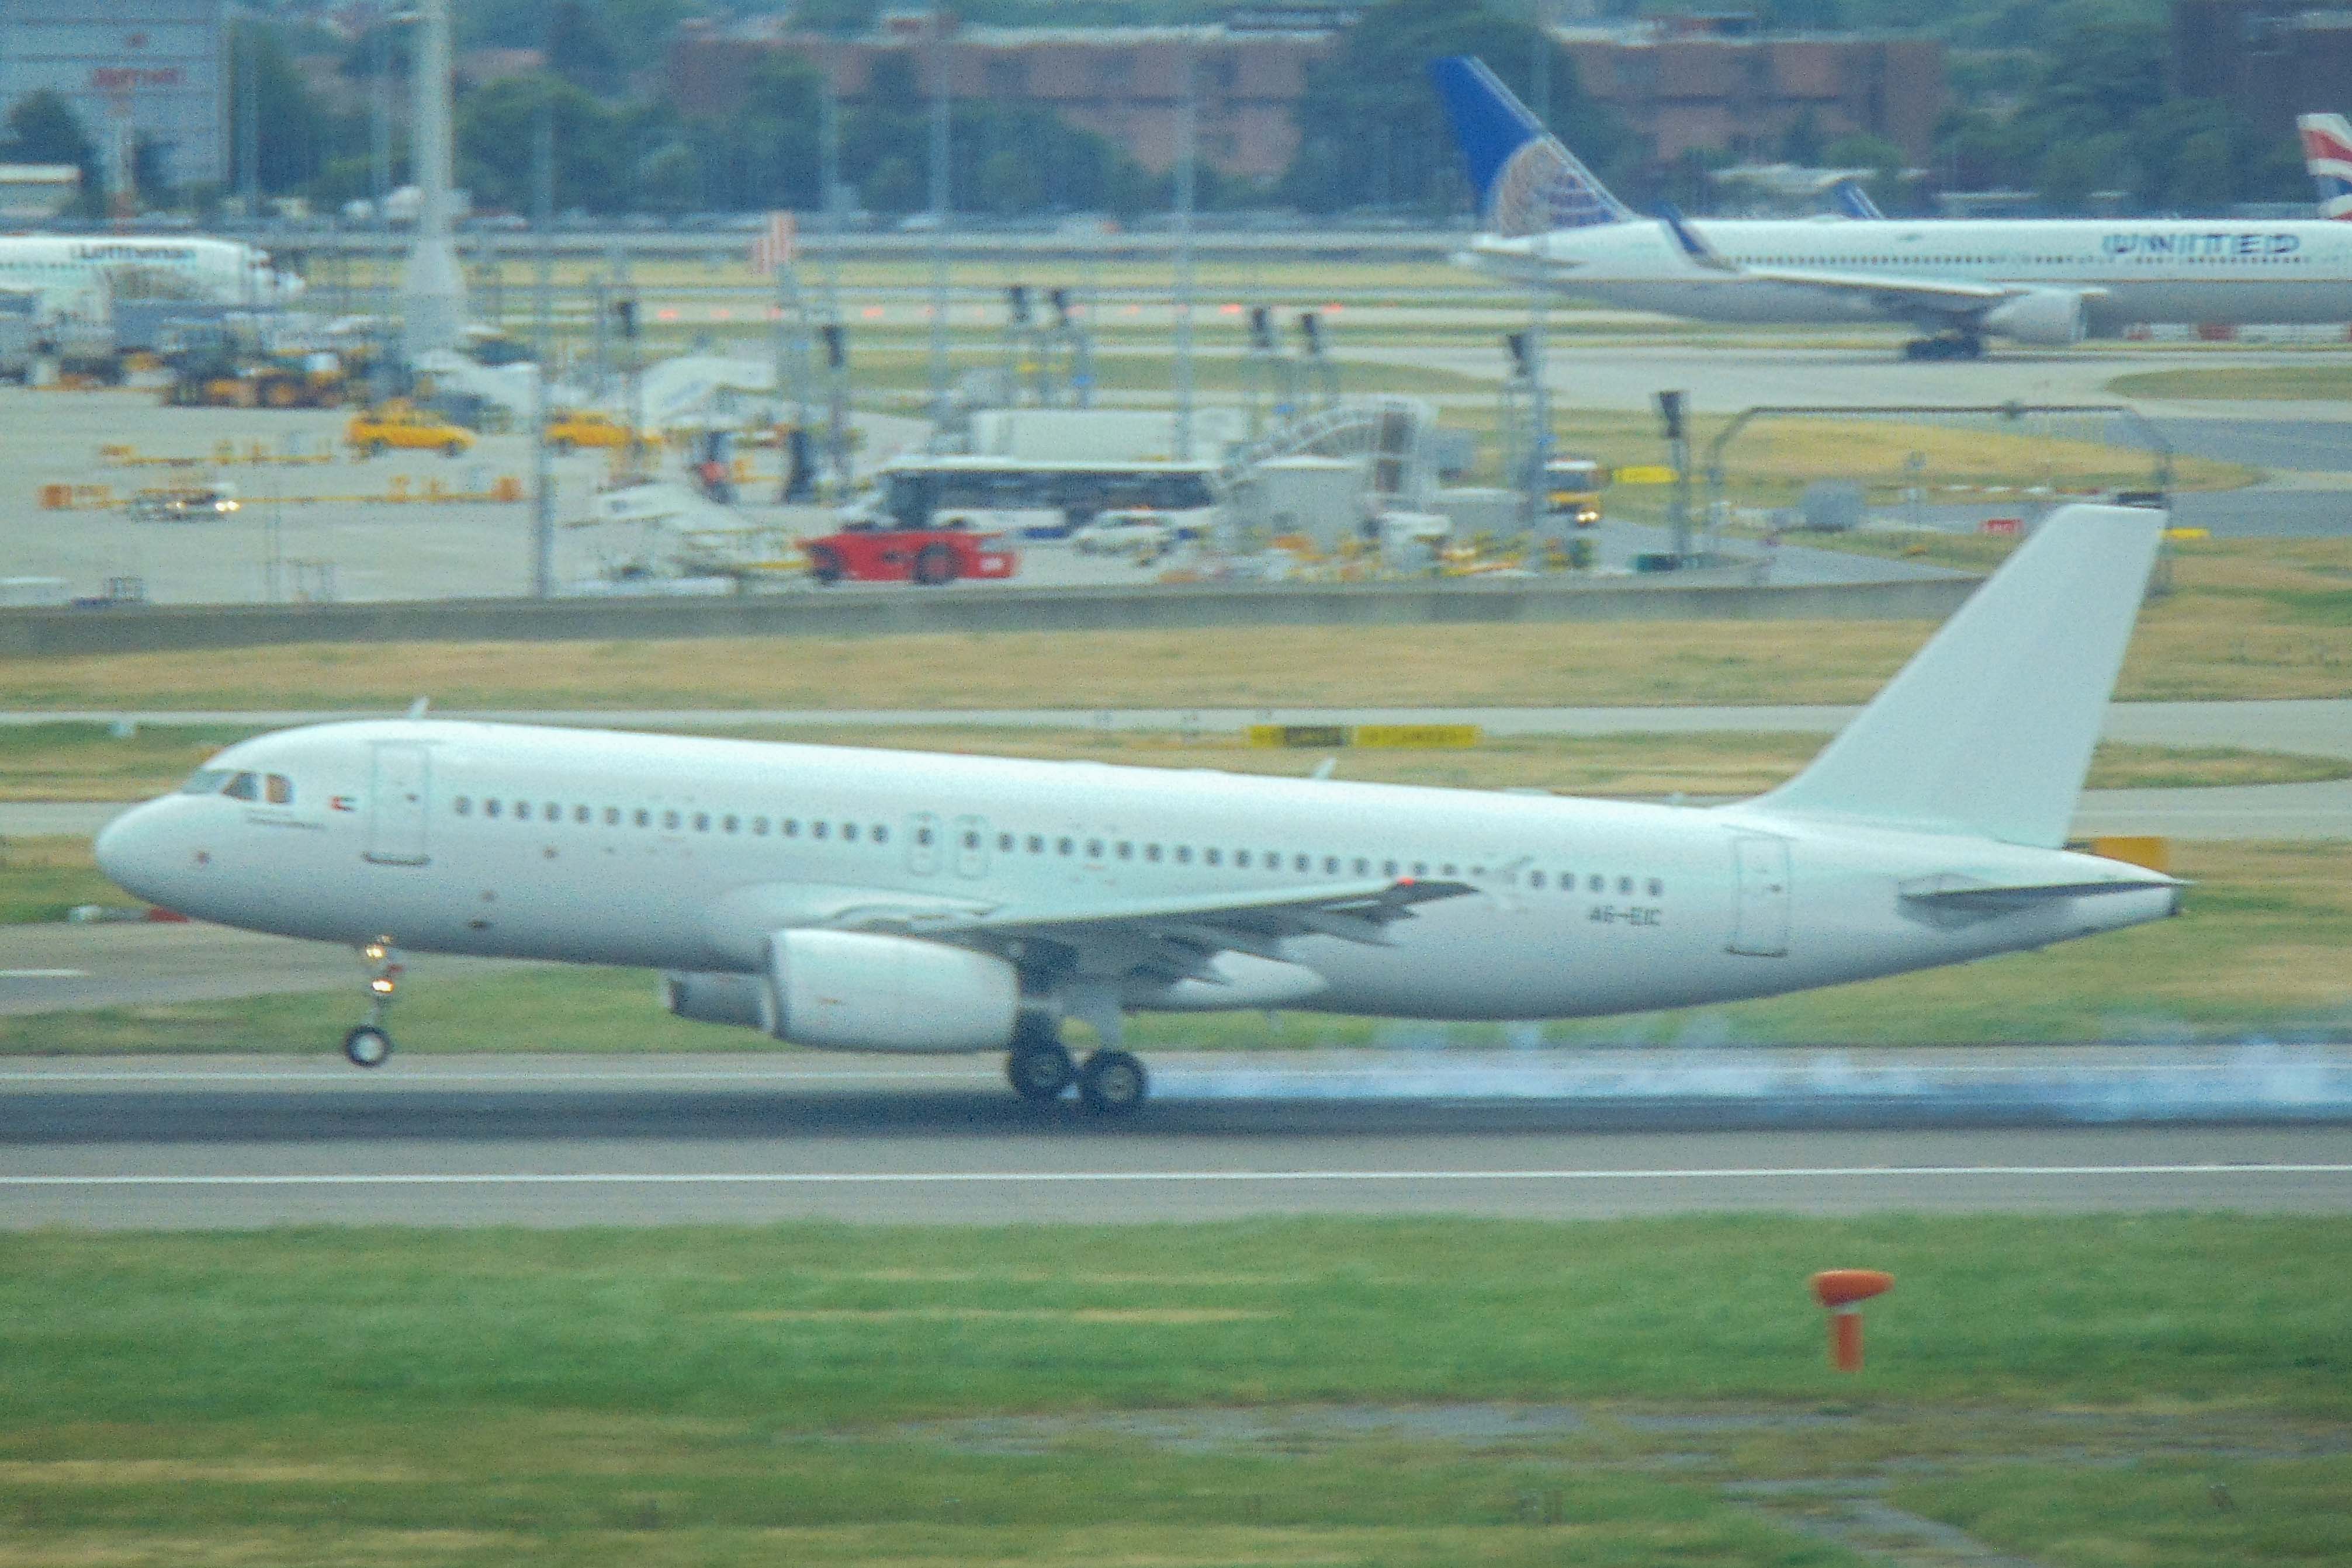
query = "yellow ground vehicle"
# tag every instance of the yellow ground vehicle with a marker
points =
(569, 428)
(1572, 488)
(399, 423)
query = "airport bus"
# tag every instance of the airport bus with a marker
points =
(1032, 498)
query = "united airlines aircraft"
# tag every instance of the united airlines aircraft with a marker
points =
(2042, 282)
(877, 901)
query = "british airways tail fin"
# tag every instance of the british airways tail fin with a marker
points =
(1853, 201)
(1989, 730)
(1528, 183)
(2328, 154)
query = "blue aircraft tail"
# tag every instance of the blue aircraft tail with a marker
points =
(1528, 183)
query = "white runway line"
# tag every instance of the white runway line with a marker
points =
(44, 974)
(878, 1178)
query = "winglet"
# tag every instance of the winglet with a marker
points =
(2327, 154)
(1853, 201)
(1691, 242)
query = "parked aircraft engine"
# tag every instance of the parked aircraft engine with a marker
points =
(853, 990)
(718, 998)
(2046, 318)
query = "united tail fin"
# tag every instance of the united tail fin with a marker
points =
(2328, 154)
(1989, 730)
(1528, 183)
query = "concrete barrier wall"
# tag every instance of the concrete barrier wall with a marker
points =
(34, 634)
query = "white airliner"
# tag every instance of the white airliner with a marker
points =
(2045, 282)
(227, 272)
(881, 901)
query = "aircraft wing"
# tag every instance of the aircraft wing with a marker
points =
(1177, 937)
(1890, 292)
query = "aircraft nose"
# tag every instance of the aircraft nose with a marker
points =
(129, 852)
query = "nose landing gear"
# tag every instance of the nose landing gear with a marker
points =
(370, 1045)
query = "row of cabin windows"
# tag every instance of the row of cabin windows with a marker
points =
(1981, 260)
(1037, 844)
(275, 788)
(671, 821)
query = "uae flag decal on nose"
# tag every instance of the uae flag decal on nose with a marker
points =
(345, 803)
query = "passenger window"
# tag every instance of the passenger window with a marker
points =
(1421, 868)
(281, 790)
(1330, 865)
(849, 832)
(1363, 867)
(669, 820)
(244, 786)
(792, 827)
(1037, 844)
(1625, 886)
(644, 818)
(551, 812)
(1534, 879)
(1388, 868)
(1657, 888)
(1241, 858)
(971, 840)
(1125, 850)
(490, 808)
(582, 815)
(923, 836)
(522, 811)
(1004, 843)
(1446, 870)
(819, 830)
(612, 816)
(1093, 848)
(1596, 884)
(1151, 853)
(731, 824)
(1183, 855)
(1300, 863)
(702, 821)
(1212, 857)
(881, 834)
(759, 827)
(463, 805)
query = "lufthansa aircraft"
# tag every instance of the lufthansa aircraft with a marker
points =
(2048, 282)
(880, 900)
(225, 272)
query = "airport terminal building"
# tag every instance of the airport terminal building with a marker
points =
(153, 71)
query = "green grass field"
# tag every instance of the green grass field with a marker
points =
(2323, 379)
(1278, 1392)
(2259, 954)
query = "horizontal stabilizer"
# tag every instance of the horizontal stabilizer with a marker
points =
(1989, 730)
(1958, 891)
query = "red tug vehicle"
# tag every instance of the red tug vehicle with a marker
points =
(865, 552)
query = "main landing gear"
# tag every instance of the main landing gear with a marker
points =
(1040, 1067)
(1945, 346)
(370, 1045)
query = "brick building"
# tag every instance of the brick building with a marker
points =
(1122, 83)
(1717, 83)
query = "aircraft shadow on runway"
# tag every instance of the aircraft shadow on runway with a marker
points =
(370, 1114)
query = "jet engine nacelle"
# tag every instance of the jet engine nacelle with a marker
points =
(2047, 317)
(718, 998)
(853, 990)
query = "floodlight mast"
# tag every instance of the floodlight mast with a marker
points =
(938, 361)
(1187, 138)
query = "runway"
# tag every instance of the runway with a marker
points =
(550, 1142)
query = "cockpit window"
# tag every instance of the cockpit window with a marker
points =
(244, 786)
(281, 790)
(205, 781)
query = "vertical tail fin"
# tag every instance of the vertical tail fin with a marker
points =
(1528, 183)
(1989, 730)
(2328, 154)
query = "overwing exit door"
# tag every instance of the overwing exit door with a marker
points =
(398, 795)
(1760, 928)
